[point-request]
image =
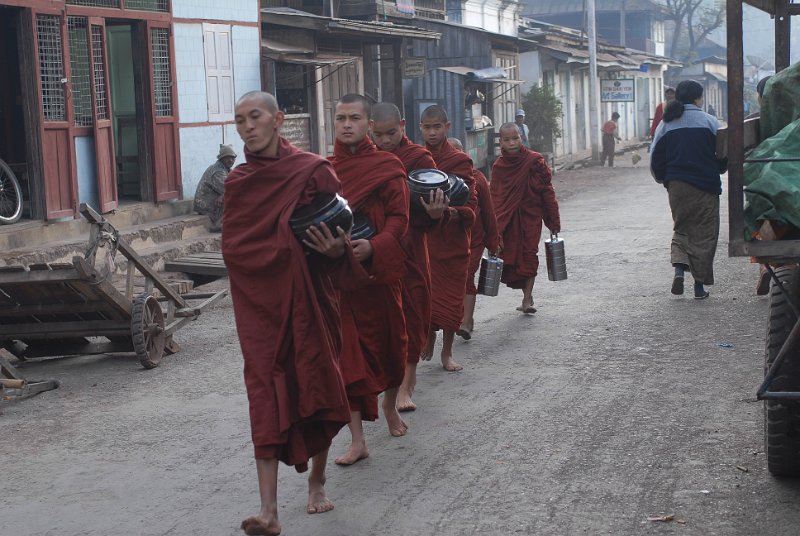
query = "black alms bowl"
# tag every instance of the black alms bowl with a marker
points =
(362, 228)
(421, 182)
(458, 191)
(331, 209)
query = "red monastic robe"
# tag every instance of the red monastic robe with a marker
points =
(523, 196)
(286, 309)
(373, 326)
(484, 230)
(417, 281)
(448, 244)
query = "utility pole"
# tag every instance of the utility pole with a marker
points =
(594, 84)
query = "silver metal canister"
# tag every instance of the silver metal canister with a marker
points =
(489, 278)
(556, 258)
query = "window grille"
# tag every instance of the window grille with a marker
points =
(162, 83)
(147, 5)
(95, 3)
(51, 68)
(99, 64)
(79, 64)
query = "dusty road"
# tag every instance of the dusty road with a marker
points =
(615, 402)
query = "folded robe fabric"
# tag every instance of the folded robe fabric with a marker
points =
(448, 244)
(373, 325)
(286, 309)
(417, 281)
(523, 196)
(484, 230)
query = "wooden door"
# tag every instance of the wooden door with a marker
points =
(164, 112)
(53, 87)
(101, 108)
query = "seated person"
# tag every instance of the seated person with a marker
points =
(210, 189)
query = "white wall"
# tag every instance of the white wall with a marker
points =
(191, 73)
(199, 149)
(216, 10)
(530, 70)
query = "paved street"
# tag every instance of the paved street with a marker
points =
(615, 402)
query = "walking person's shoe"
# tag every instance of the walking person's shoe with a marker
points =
(677, 285)
(700, 293)
(762, 287)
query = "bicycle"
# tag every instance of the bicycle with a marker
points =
(10, 196)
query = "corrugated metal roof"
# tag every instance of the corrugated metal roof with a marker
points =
(548, 7)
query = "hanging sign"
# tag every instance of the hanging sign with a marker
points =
(413, 67)
(617, 90)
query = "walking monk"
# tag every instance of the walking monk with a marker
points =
(388, 131)
(287, 314)
(523, 197)
(373, 326)
(484, 236)
(448, 244)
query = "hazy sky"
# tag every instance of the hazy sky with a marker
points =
(759, 30)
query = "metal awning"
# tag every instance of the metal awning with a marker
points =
(275, 50)
(476, 75)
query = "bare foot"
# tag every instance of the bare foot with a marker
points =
(397, 426)
(450, 365)
(404, 402)
(427, 353)
(528, 309)
(353, 454)
(261, 526)
(318, 502)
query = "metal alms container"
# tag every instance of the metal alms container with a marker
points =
(556, 258)
(489, 278)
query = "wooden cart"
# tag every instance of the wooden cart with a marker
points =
(780, 388)
(60, 309)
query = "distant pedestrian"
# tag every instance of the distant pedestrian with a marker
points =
(524, 131)
(669, 96)
(684, 160)
(211, 188)
(610, 137)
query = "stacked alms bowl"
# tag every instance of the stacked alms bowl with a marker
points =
(362, 228)
(330, 209)
(458, 191)
(421, 182)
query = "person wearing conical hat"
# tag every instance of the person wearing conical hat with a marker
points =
(211, 188)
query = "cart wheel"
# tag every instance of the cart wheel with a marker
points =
(147, 330)
(782, 417)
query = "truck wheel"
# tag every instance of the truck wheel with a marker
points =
(782, 417)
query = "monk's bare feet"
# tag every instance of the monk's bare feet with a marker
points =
(427, 353)
(404, 402)
(450, 364)
(261, 525)
(397, 426)
(318, 502)
(527, 307)
(355, 453)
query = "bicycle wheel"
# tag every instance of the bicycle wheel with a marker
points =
(10, 196)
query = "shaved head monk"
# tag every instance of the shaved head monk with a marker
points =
(523, 197)
(448, 244)
(388, 132)
(296, 393)
(484, 236)
(373, 325)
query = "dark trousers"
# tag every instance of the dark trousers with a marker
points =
(608, 150)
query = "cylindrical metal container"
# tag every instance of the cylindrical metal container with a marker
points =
(556, 258)
(489, 278)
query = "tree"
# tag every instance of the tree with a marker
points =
(543, 111)
(698, 18)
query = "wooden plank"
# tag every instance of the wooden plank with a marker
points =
(24, 276)
(116, 301)
(60, 330)
(49, 308)
(46, 348)
(12, 269)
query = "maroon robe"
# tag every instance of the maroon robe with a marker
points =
(417, 281)
(448, 244)
(373, 325)
(286, 309)
(484, 230)
(523, 197)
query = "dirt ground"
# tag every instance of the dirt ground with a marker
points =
(615, 402)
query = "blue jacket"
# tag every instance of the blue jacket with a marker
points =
(685, 150)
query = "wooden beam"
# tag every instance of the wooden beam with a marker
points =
(783, 31)
(60, 330)
(736, 123)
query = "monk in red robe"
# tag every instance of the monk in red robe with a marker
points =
(484, 236)
(523, 197)
(448, 243)
(388, 132)
(373, 325)
(286, 309)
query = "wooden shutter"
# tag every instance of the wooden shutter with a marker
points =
(219, 71)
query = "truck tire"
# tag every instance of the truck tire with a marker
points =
(782, 417)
